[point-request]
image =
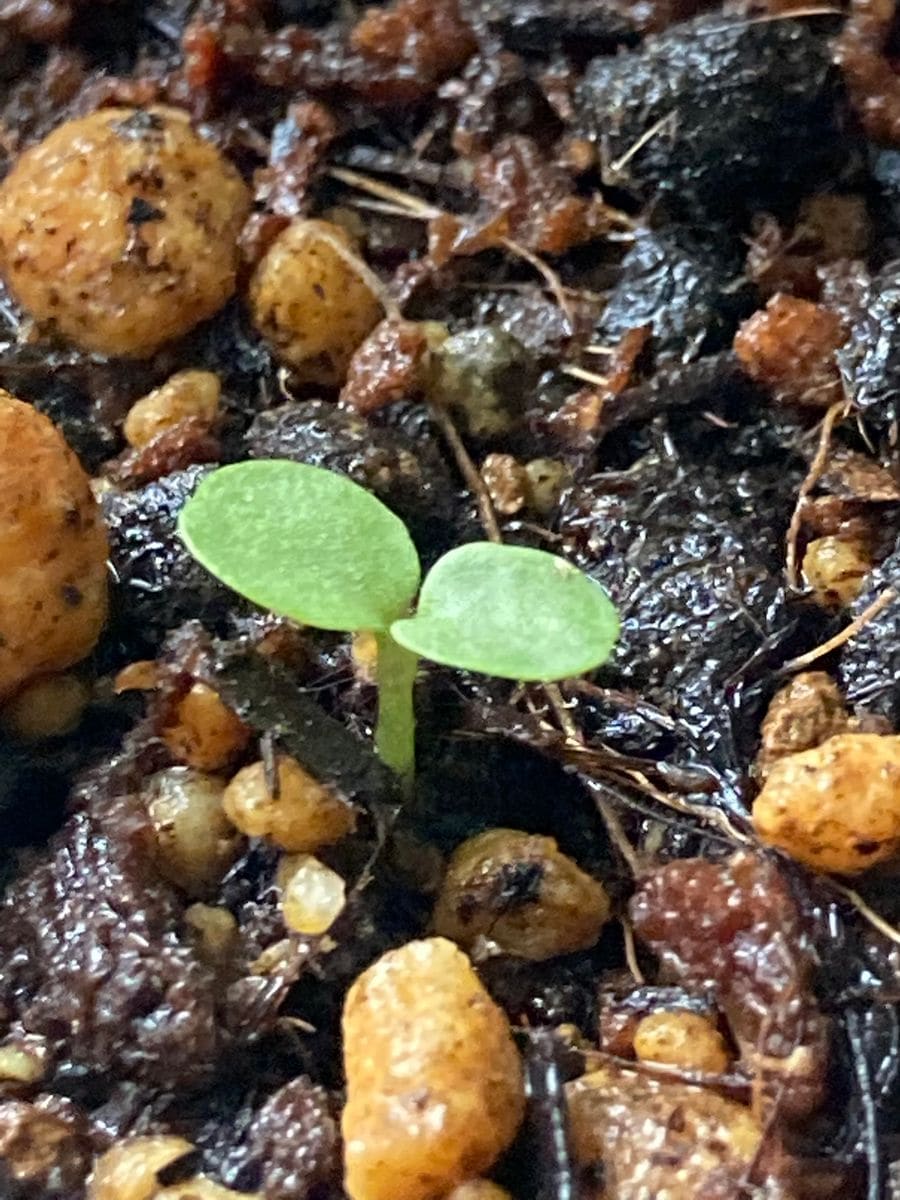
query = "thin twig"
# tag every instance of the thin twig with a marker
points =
(706, 813)
(646, 136)
(798, 13)
(298, 1023)
(369, 204)
(868, 914)
(469, 472)
(282, 378)
(563, 715)
(271, 774)
(384, 191)
(630, 950)
(429, 212)
(715, 816)
(863, 432)
(869, 613)
(732, 1081)
(521, 286)
(618, 837)
(611, 820)
(582, 373)
(546, 535)
(550, 277)
(817, 466)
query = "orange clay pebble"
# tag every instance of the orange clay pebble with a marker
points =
(835, 807)
(312, 895)
(434, 1081)
(520, 892)
(185, 394)
(53, 551)
(681, 1039)
(143, 675)
(195, 844)
(789, 347)
(313, 300)
(205, 733)
(836, 568)
(302, 816)
(119, 230)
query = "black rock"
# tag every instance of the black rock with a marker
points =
(691, 559)
(158, 583)
(32, 796)
(735, 115)
(544, 27)
(870, 662)
(870, 358)
(685, 284)
(78, 422)
(313, 13)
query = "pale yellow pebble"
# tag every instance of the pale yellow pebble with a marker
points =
(47, 708)
(22, 1063)
(313, 300)
(215, 930)
(521, 894)
(195, 842)
(681, 1039)
(836, 569)
(129, 1169)
(478, 1189)
(301, 815)
(312, 895)
(185, 394)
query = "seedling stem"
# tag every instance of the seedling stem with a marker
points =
(395, 728)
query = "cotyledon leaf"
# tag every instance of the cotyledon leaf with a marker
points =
(304, 542)
(512, 612)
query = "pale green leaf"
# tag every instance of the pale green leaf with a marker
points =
(512, 612)
(303, 542)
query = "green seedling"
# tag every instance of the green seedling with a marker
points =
(311, 545)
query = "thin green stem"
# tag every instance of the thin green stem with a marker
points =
(395, 730)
